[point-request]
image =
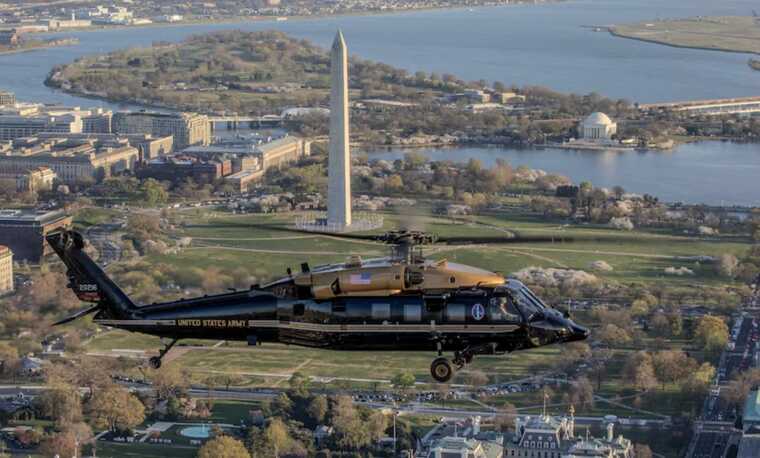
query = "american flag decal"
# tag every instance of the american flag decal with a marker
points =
(361, 279)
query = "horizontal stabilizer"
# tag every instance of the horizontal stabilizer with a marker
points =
(77, 315)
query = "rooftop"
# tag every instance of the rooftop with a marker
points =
(30, 215)
(598, 118)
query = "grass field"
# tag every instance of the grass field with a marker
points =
(274, 363)
(229, 241)
(722, 33)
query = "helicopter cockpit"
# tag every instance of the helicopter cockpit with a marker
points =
(515, 302)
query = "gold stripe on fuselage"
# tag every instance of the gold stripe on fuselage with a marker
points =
(320, 327)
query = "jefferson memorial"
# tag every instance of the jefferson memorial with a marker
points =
(597, 126)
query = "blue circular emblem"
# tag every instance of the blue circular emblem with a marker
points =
(478, 312)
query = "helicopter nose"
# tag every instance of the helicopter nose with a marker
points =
(577, 332)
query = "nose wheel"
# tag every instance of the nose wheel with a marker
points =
(441, 370)
(155, 361)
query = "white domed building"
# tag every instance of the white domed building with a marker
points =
(597, 126)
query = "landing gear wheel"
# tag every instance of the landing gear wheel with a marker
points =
(155, 362)
(441, 370)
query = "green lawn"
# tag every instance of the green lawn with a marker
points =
(140, 450)
(230, 241)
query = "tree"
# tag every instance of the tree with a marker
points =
(737, 390)
(300, 383)
(317, 409)
(153, 193)
(697, 383)
(642, 451)
(277, 435)
(377, 423)
(351, 432)
(61, 403)
(223, 447)
(660, 325)
(581, 393)
(477, 378)
(8, 359)
(62, 443)
(574, 352)
(116, 409)
(727, 265)
(282, 406)
(505, 418)
(599, 367)
(639, 371)
(403, 380)
(614, 336)
(671, 366)
(169, 381)
(711, 333)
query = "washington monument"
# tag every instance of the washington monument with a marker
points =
(339, 159)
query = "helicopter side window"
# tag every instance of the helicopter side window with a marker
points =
(381, 311)
(502, 309)
(412, 312)
(455, 313)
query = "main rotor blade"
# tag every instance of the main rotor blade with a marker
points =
(77, 315)
(501, 240)
(281, 228)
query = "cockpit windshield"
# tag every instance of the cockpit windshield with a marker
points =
(530, 305)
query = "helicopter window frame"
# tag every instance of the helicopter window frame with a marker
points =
(381, 311)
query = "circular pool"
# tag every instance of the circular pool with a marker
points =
(195, 432)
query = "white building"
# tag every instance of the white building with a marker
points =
(597, 126)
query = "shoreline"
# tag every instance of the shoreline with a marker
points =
(276, 19)
(47, 45)
(674, 45)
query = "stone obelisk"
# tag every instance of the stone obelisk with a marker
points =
(339, 159)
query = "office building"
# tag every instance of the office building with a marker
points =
(186, 128)
(554, 437)
(73, 160)
(7, 98)
(33, 180)
(148, 146)
(6, 270)
(24, 231)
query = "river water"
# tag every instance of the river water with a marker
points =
(715, 173)
(544, 44)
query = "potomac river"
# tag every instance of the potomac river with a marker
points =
(546, 44)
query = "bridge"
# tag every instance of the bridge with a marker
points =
(712, 107)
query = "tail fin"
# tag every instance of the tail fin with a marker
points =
(87, 279)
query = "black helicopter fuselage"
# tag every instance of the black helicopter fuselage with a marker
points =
(468, 322)
(450, 321)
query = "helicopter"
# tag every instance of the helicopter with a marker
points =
(403, 302)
